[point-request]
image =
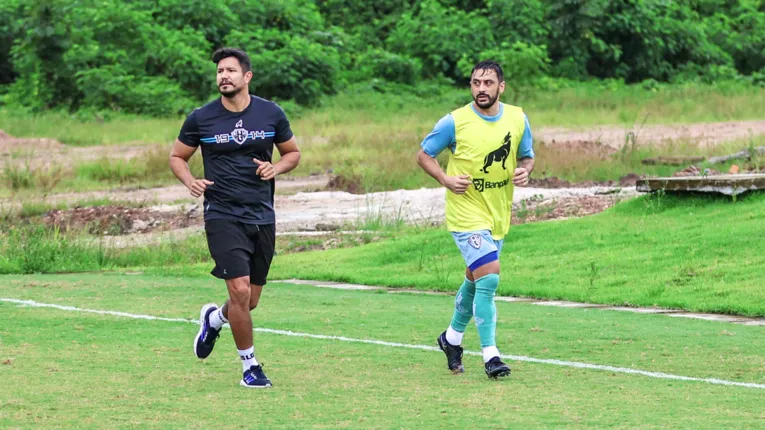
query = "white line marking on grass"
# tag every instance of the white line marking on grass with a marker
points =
(659, 375)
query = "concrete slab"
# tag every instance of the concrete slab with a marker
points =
(347, 286)
(328, 284)
(302, 282)
(564, 304)
(514, 299)
(639, 310)
(419, 292)
(724, 184)
(759, 322)
(710, 317)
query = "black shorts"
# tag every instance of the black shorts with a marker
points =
(240, 249)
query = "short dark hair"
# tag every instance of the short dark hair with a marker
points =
(489, 65)
(244, 59)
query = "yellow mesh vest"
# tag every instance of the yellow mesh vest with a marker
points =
(487, 151)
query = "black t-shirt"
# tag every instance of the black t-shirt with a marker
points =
(230, 140)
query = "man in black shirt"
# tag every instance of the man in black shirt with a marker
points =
(237, 133)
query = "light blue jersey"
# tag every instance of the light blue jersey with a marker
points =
(443, 135)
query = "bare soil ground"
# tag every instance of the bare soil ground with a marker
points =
(615, 137)
(305, 207)
(309, 213)
(43, 152)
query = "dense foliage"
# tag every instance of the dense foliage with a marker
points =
(153, 56)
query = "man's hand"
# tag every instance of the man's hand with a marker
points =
(199, 186)
(457, 184)
(520, 177)
(266, 170)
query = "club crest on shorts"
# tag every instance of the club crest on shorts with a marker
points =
(475, 241)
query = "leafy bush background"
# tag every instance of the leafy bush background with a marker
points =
(153, 56)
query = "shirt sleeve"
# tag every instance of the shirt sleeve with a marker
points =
(525, 149)
(442, 137)
(283, 130)
(189, 134)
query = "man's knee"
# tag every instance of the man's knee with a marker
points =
(239, 290)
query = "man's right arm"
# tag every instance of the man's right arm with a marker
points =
(182, 152)
(440, 138)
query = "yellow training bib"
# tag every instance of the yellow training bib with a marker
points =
(487, 152)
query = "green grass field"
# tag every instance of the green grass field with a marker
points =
(69, 368)
(701, 253)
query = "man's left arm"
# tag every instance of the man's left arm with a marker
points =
(289, 158)
(289, 153)
(525, 157)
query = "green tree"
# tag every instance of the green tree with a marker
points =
(10, 25)
(632, 40)
(289, 67)
(523, 65)
(439, 36)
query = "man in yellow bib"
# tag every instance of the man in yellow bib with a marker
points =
(490, 152)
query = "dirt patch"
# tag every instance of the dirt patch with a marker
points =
(10, 144)
(695, 171)
(540, 209)
(298, 243)
(312, 183)
(44, 153)
(746, 168)
(304, 213)
(628, 180)
(556, 182)
(342, 183)
(705, 134)
(120, 220)
(113, 152)
(575, 148)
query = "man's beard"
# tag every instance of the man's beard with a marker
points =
(228, 93)
(489, 100)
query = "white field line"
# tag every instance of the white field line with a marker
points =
(659, 375)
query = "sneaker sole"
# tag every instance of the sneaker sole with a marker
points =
(456, 371)
(201, 327)
(244, 384)
(501, 374)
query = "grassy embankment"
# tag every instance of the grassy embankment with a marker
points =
(699, 253)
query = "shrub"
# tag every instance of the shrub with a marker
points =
(378, 63)
(524, 65)
(440, 36)
(288, 66)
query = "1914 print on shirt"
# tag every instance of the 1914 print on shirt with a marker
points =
(229, 141)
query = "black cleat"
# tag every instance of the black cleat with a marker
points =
(255, 378)
(453, 354)
(204, 342)
(495, 368)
